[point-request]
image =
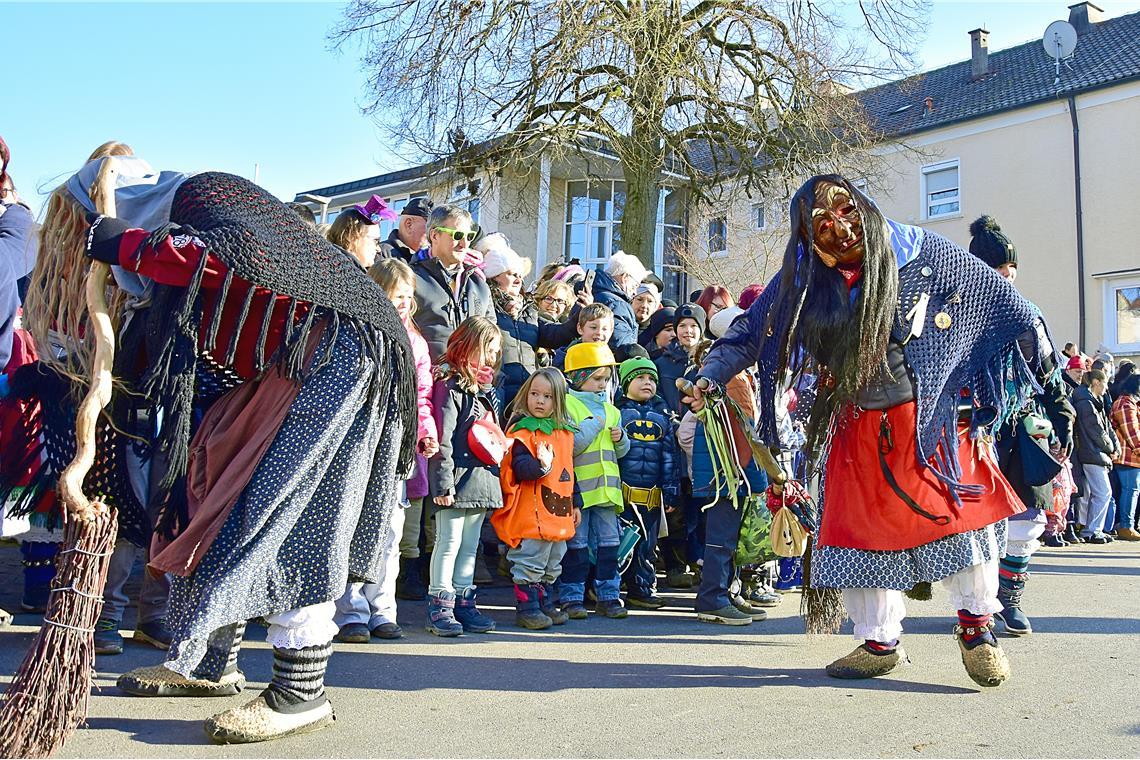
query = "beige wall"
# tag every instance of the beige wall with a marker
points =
(1017, 167)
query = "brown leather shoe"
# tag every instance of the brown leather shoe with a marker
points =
(1127, 534)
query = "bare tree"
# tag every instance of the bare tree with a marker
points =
(710, 90)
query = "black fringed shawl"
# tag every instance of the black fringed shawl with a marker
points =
(264, 242)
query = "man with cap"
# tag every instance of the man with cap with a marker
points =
(410, 233)
(1044, 422)
(650, 473)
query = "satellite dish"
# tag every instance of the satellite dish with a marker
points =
(1059, 41)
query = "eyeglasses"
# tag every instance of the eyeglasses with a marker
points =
(554, 301)
(458, 235)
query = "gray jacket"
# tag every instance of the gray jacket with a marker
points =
(439, 311)
(1096, 443)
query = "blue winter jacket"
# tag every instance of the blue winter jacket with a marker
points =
(703, 480)
(625, 324)
(653, 458)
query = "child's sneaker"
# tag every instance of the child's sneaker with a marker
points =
(107, 638)
(575, 610)
(527, 612)
(548, 603)
(652, 602)
(469, 616)
(441, 615)
(611, 608)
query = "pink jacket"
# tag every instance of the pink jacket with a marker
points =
(417, 484)
(424, 385)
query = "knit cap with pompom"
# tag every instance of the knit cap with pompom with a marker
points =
(990, 244)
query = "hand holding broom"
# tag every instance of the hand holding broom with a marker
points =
(47, 699)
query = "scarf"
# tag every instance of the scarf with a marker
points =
(506, 303)
(536, 425)
(262, 241)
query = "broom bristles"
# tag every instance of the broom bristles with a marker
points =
(47, 699)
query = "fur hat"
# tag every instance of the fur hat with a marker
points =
(692, 311)
(990, 244)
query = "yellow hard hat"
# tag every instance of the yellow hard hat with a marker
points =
(588, 355)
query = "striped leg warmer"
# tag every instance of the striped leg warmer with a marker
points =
(221, 653)
(298, 678)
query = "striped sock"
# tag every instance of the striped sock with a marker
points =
(1013, 568)
(299, 675)
(975, 628)
(221, 653)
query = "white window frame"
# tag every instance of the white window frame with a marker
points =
(924, 198)
(762, 207)
(462, 196)
(1109, 286)
(723, 219)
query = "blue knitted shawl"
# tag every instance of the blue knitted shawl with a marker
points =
(977, 354)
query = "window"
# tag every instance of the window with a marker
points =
(940, 190)
(594, 210)
(466, 196)
(1122, 314)
(718, 236)
(593, 216)
(759, 216)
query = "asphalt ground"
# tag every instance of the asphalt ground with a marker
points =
(661, 684)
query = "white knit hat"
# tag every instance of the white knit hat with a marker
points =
(623, 263)
(721, 321)
(499, 257)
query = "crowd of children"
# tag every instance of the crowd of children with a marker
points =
(593, 478)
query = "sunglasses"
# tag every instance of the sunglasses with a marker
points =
(458, 235)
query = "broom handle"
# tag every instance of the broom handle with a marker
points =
(99, 391)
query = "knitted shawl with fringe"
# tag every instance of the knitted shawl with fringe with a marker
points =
(264, 242)
(977, 353)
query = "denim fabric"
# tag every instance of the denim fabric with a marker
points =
(152, 595)
(641, 576)
(1095, 505)
(599, 528)
(456, 543)
(1129, 493)
(536, 561)
(722, 529)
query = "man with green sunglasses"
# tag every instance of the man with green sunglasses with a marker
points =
(448, 290)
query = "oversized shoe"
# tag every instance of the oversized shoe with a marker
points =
(985, 662)
(256, 721)
(161, 681)
(863, 663)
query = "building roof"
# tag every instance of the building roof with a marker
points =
(1107, 54)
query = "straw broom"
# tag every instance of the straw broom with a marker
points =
(47, 700)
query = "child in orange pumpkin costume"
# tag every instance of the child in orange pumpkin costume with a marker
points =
(539, 512)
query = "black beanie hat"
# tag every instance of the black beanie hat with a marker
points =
(692, 311)
(657, 322)
(990, 244)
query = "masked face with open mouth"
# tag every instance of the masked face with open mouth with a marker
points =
(837, 226)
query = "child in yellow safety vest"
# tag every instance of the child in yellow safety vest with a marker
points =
(598, 444)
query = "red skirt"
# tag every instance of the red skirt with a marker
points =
(863, 511)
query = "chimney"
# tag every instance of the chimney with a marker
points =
(1083, 16)
(979, 53)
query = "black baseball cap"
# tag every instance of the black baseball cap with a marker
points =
(420, 207)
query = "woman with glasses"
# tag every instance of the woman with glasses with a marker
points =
(517, 315)
(553, 299)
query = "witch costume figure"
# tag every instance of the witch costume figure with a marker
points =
(922, 348)
(283, 380)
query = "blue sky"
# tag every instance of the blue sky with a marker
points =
(213, 85)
